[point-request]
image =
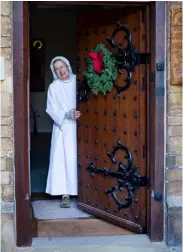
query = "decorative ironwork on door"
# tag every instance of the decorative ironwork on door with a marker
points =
(126, 59)
(127, 177)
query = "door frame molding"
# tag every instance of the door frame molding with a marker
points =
(155, 115)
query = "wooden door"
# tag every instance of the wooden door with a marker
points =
(112, 129)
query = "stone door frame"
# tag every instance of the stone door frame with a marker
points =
(155, 124)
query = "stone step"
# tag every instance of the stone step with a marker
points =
(76, 227)
(115, 243)
(49, 220)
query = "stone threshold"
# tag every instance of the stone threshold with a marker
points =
(117, 243)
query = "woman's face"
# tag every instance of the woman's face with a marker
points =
(61, 70)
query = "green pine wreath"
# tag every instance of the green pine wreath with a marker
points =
(101, 82)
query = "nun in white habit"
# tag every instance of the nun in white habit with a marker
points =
(61, 107)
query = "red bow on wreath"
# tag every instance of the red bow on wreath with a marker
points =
(98, 63)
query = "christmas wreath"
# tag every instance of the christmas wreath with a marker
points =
(101, 70)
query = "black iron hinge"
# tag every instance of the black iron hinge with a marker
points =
(142, 58)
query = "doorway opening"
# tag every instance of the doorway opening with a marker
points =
(156, 15)
(53, 32)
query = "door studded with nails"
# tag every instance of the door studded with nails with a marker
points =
(112, 172)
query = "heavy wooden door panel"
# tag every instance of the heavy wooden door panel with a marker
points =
(112, 129)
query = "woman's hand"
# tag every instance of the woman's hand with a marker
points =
(76, 114)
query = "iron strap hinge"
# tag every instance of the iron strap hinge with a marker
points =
(142, 58)
(143, 181)
(131, 59)
(127, 180)
(129, 177)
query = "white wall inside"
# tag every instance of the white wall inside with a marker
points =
(57, 28)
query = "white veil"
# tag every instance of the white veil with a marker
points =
(65, 61)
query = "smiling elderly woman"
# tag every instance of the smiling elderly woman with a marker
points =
(61, 107)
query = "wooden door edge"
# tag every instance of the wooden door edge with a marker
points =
(156, 152)
(117, 221)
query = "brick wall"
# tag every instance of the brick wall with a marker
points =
(173, 148)
(6, 132)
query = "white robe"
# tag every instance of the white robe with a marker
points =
(62, 174)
